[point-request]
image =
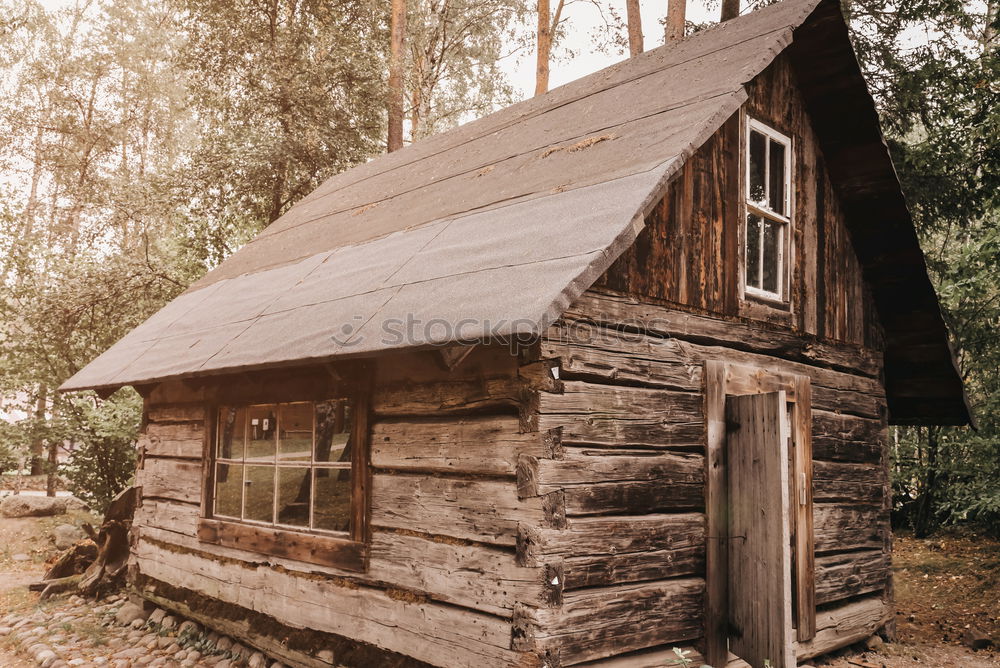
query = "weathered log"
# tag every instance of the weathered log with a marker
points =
(487, 511)
(840, 527)
(173, 479)
(397, 621)
(73, 561)
(595, 623)
(58, 585)
(597, 482)
(847, 438)
(849, 574)
(848, 482)
(623, 416)
(477, 445)
(620, 311)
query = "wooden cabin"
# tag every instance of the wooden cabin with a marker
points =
(603, 374)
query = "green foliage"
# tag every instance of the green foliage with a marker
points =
(103, 462)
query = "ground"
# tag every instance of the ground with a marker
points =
(945, 586)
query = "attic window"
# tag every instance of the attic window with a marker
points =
(288, 479)
(768, 212)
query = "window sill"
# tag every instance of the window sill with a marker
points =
(310, 548)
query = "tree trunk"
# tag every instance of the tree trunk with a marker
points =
(397, 31)
(923, 521)
(544, 48)
(730, 9)
(37, 444)
(50, 479)
(674, 29)
(634, 27)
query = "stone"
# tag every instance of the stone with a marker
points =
(325, 655)
(19, 505)
(225, 663)
(73, 503)
(20, 556)
(130, 653)
(157, 616)
(168, 622)
(77, 661)
(66, 535)
(257, 660)
(224, 643)
(137, 623)
(100, 661)
(239, 651)
(173, 648)
(188, 627)
(129, 613)
(277, 664)
(976, 639)
(164, 642)
(874, 643)
(193, 655)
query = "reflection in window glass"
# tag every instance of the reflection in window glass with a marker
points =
(293, 495)
(295, 432)
(259, 491)
(228, 489)
(332, 499)
(770, 264)
(758, 159)
(263, 431)
(333, 431)
(232, 429)
(753, 250)
(776, 178)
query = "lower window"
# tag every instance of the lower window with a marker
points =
(288, 478)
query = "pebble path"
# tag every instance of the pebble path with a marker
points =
(115, 633)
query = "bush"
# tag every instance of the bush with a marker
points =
(103, 463)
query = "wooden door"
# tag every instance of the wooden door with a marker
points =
(759, 578)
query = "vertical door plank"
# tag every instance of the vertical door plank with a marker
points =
(805, 555)
(760, 580)
(716, 516)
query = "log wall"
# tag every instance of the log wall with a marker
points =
(629, 407)
(443, 582)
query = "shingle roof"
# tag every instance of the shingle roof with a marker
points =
(492, 228)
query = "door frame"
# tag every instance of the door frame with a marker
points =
(729, 378)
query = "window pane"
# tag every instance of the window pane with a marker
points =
(753, 250)
(757, 158)
(293, 495)
(772, 247)
(332, 499)
(261, 444)
(232, 429)
(776, 189)
(295, 427)
(260, 494)
(228, 489)
(333, 427)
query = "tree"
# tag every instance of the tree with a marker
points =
(456, 52)
(634, 27)
(397, 39)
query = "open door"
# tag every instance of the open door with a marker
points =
(759, 577)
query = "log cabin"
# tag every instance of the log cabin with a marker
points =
(603, 374)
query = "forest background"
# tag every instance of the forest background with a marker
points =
(142, 142)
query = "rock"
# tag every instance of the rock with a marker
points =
(325, 655)
(277, 664)
(5, 631)
(20, 556)
(193, 655)
(976, 639)
(188, 627)
(224, 643)
(77, 661)
(225, 663)
(168, 622)
(32, 506)
(130, 653)
(99, 661)
(875, 644)
(164, 642)
(239, 651)
(137, 623)
(257, 660)
(66, 535)
(173, 648)
(157, 616)
(73, 503)
(129, 613)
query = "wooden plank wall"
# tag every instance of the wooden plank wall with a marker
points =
(688, 254)
(443, 581)
(630, 410)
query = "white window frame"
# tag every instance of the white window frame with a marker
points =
(764, 211)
